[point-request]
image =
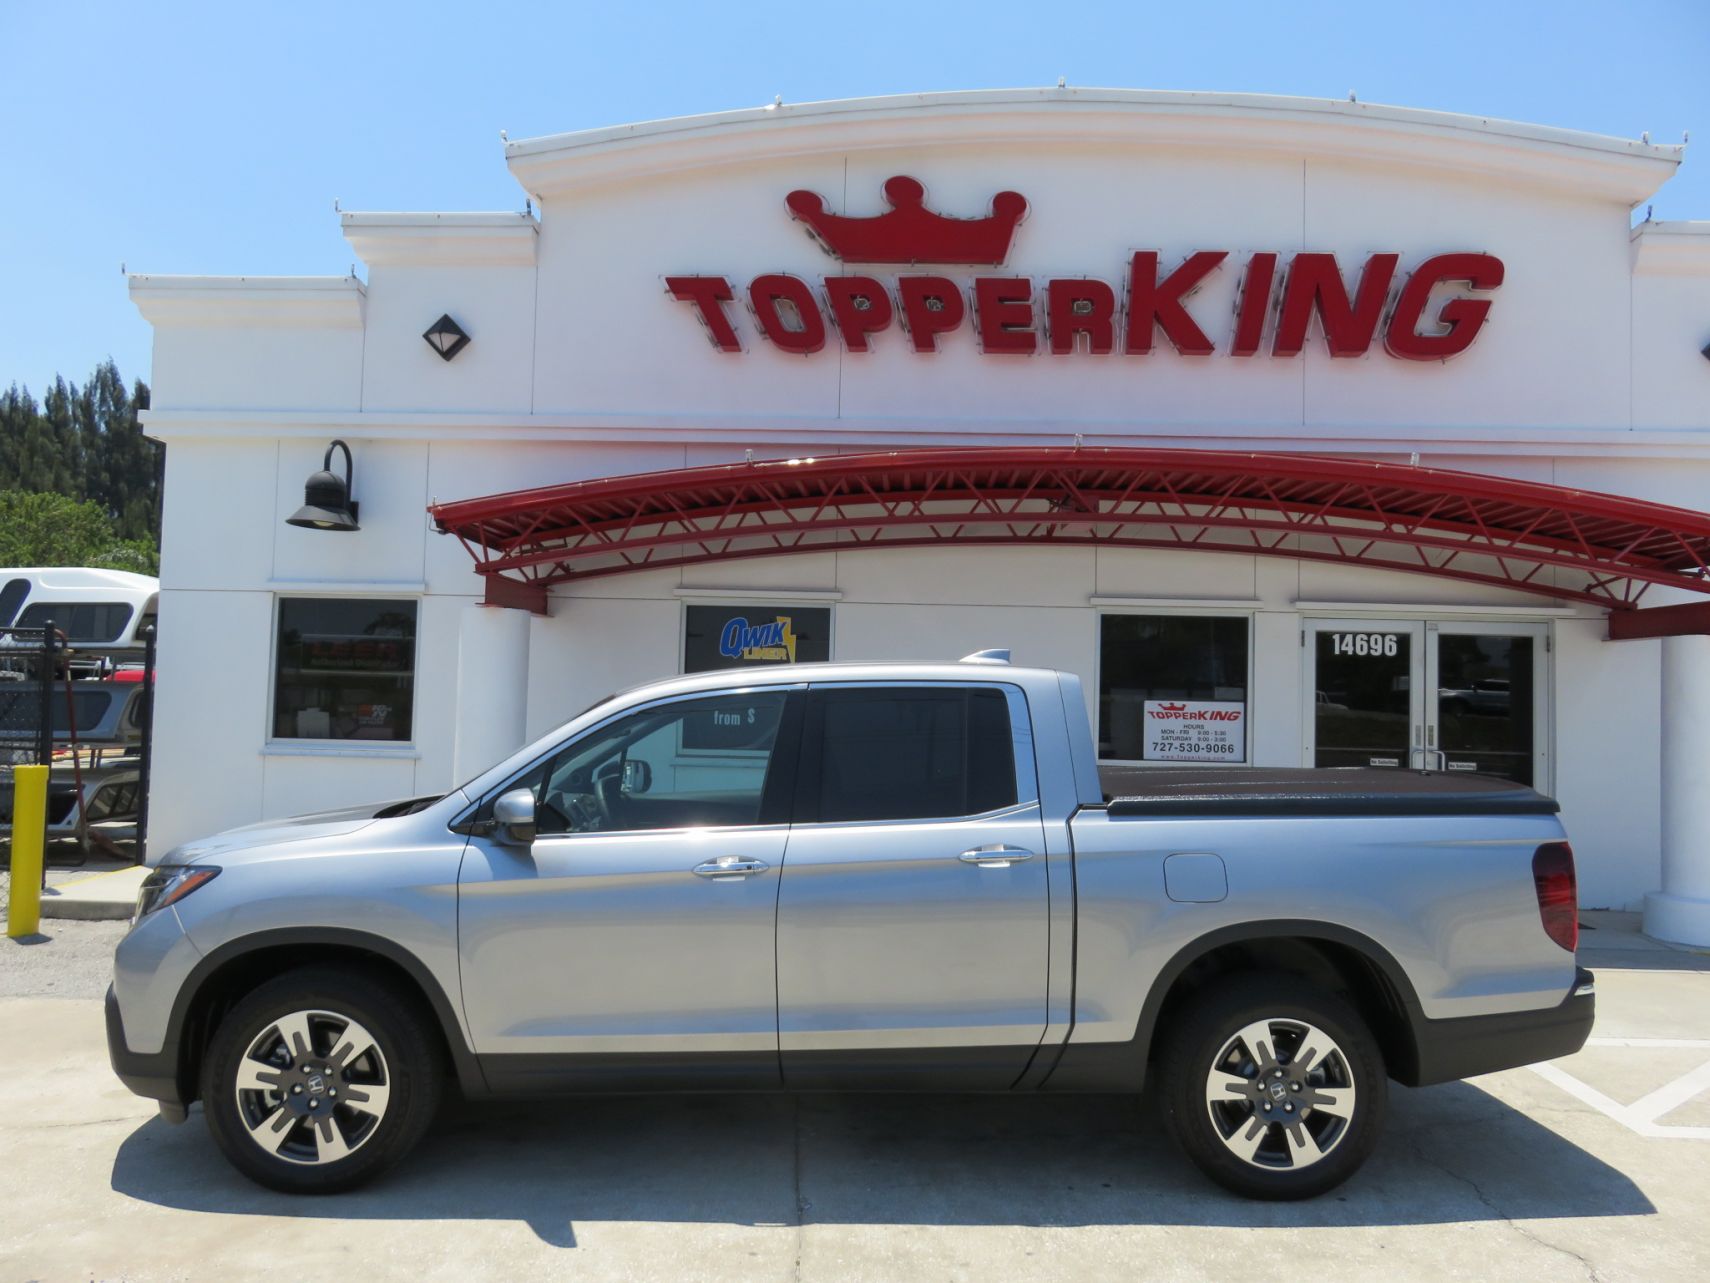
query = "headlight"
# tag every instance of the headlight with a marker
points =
(169, 884)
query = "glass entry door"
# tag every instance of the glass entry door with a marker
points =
(1487, 707)
(1441, 696)
(1365, 689)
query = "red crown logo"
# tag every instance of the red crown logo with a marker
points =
(1172, 708)
(910, 233)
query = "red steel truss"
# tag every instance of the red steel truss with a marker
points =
(1576, 545)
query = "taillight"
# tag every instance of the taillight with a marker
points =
(1558, 893)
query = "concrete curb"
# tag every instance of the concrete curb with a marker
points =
(102, 897)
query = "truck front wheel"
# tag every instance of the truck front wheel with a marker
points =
(319, 1080)
(1275, 1088)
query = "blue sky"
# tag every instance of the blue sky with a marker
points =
(177, 137)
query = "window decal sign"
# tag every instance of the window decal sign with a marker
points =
(1195, 731)
(772, 641)
(1424, 314)
(742, 636)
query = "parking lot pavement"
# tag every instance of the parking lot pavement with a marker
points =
(1513, 1176)
(64, 959)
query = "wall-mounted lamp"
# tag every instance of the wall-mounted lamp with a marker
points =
(327, 504)
(446, 337)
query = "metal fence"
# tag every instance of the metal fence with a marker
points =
(29, 663)
(86, 713)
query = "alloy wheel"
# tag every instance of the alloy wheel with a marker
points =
(313, 1087)
(1280, 1094)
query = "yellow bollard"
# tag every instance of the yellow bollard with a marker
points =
(29, 829)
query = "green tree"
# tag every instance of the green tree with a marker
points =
(63, 468)
(43, 529)
(18, 415)
(87, 444)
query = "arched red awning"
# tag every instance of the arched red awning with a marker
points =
(1575, 545)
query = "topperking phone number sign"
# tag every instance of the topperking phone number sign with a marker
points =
(1179, 730)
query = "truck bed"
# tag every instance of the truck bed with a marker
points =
(1132, 791)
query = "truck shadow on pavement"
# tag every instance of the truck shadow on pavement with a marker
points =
(1448, 1154)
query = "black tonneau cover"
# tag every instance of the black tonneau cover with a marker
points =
(1302, 791)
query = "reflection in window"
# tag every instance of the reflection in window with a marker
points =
(345, 669)
(1486, 704)
(698, 763)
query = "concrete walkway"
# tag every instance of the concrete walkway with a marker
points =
(108, 896)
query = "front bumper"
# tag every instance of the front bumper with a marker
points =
(154, 1076)
(1451, 1049)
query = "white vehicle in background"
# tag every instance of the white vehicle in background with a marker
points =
(96, 610)
(95, 708)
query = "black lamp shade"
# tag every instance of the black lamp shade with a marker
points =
(446, 337)
(327, 504)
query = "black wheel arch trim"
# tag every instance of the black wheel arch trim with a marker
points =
(168, 1066)
(1121, 1066)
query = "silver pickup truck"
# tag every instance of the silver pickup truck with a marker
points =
(841, 877)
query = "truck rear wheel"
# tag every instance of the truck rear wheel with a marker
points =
(319, 1080)
(1275, 1088)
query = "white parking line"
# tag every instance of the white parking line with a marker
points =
(1641, 1116)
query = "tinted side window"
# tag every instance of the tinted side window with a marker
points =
(82, 621)
(899, 753)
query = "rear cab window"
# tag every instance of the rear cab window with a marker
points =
(911, 753)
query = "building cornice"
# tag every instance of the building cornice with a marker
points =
(1671, 249)
(442, 240)
(1590, 164)
(334, 302)
(793, 434)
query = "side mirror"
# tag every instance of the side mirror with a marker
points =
(513, 817)
(637, 776)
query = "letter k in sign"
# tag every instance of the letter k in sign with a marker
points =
(1161, 303)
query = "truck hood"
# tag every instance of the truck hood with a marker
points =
(298, 828)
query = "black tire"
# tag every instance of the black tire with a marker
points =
(406, 1057)
(1207, 1039)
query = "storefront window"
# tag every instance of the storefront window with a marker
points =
(345, 669)
(1173, 688)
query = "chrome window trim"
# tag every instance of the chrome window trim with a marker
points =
(629, 833)
(1018, 811)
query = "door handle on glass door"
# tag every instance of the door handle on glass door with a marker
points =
(996, 856)
(730, 866)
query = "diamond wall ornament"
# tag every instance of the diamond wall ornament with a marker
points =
(446, 337)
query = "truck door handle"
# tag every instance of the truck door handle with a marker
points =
(995, 856)
(730, 866)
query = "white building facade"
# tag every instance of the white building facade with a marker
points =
(1269, 281)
